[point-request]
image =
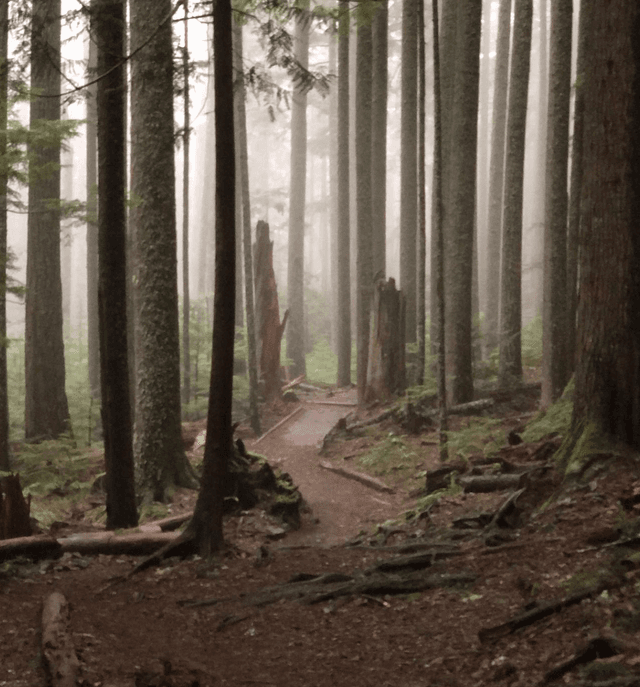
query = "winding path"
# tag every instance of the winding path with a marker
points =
(340, 507)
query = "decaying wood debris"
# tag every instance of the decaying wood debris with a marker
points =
(268, 325)
(360, 477)
(14, 509)
(58, 653)
(386, 375)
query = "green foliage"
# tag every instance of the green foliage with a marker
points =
(55, 469)
(532, 343)
(476, 437)
(390, 455)
(557, 418)
(425, 503)
(322, 364)
(25, 143)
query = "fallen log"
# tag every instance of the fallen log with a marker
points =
(134, 544)
(482, 484)
(295, 382)
(598, 647)
(169, 524)
(58, 654)
(416, 561)
(278, 424)
(539, 613)
(312, 589)
(361, 477)
(349, 404)
(36, 548)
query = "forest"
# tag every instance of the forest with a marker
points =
(242, 236)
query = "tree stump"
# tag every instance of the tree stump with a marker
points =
(386, 374)
(268, 325)
(14, 509)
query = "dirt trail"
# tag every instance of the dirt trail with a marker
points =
(340, 507)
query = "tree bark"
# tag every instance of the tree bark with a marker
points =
(58, 653)
(421, 274)
(269, 328)
(459, 211)
(4, 181)
(409, 162)
(386, 374)
(110, 32)
(364, 256)
(607, 377)
(554, 313)
(510, 365)
(343, 238)
(577, 148)
(379, 88)
(186, 139)
(46, 407)
(297, 199)
(93, 336)
(206, 524)
(243, 160)
(158, 445)
(496, 175)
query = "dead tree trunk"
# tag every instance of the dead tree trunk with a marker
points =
(14, 509)
(269, 327)
(386, 368)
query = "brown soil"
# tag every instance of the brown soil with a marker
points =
(142, 633)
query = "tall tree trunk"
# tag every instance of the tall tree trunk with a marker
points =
(437, 239)
(379, 89)
(110, 31)
(46, 407)
(206, 524)
(446, 77)
(496, 174)
(607, 378)
(243, 160)
(537, 240)
(554, 313)
(332, 132)
(484, 146)
(364, 255)
(158, 444)
(459, 212)
(93, 343)
(206, 235)
(510, 366)
(343, 238)
(409, 162)
(186, 296)
(4, 182)
(422, 202)
(297, 197)
(577, 168)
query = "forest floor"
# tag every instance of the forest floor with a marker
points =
(196, 623)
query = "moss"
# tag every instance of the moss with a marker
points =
(555, 419)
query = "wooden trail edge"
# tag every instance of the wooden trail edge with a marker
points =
(278, 424)
(367, 480)
(59, 657)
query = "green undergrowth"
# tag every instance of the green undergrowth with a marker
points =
(57, 475)
(391, 456)
(425, 503)
(481, 435)
(555, 419)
